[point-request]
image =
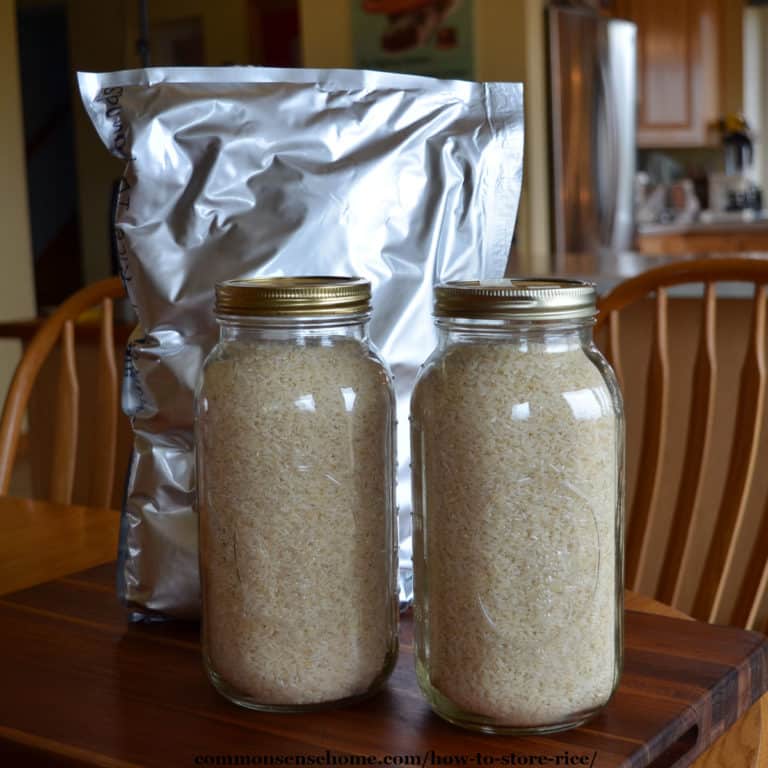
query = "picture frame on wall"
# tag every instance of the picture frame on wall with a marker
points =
(421, 37)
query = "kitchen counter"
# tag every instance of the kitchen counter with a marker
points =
(608, 270)
(705, 236)
(699, 227)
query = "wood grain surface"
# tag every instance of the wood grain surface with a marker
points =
(82, 686)
(40, 541)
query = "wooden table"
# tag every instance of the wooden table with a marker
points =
(81, 686)
(40, 541)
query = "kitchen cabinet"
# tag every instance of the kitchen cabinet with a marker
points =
(689, 68)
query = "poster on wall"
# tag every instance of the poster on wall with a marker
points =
(420, 37)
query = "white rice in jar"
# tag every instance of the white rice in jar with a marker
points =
(515, 455)
(297, 542)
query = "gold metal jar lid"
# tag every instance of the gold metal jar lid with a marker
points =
(516, 298)
(279, 296)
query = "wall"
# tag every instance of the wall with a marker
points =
(224, 22)
(17, 283)
(509, 45)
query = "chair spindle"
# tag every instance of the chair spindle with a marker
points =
(700, 420)
(708, 604)
(612, 347)
(645, 500)
(65, 428)
(105, 433)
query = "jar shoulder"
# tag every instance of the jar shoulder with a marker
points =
(506, 374)
(343, 351)
(279, 371)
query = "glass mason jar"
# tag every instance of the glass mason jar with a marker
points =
(518, 459)
(295, 459)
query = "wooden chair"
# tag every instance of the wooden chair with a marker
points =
(746, 742)
(710, 603)
(64, 416)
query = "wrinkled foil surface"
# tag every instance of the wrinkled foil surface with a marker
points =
(245, 172)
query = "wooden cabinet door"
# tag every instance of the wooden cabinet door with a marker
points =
(679, 58)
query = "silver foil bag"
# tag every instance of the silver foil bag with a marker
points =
(242, 171)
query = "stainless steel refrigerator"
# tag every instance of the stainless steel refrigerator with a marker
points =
(593, 85)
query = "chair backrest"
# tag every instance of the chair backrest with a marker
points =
(60, 326)
(713, 595)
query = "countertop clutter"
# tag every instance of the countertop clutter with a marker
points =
(746, 221)
(606, 270)
(744, 242)
(136, 694)
(741, 234)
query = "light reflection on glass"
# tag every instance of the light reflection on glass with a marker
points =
(305, 403)
(349, 397)
(585, 404)
(521, 411)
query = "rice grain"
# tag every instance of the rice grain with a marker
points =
(297, 533)
(515, 459)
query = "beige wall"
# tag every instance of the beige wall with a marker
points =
(509, 45)
(16, 278)
(225, 26)
(326, 33)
